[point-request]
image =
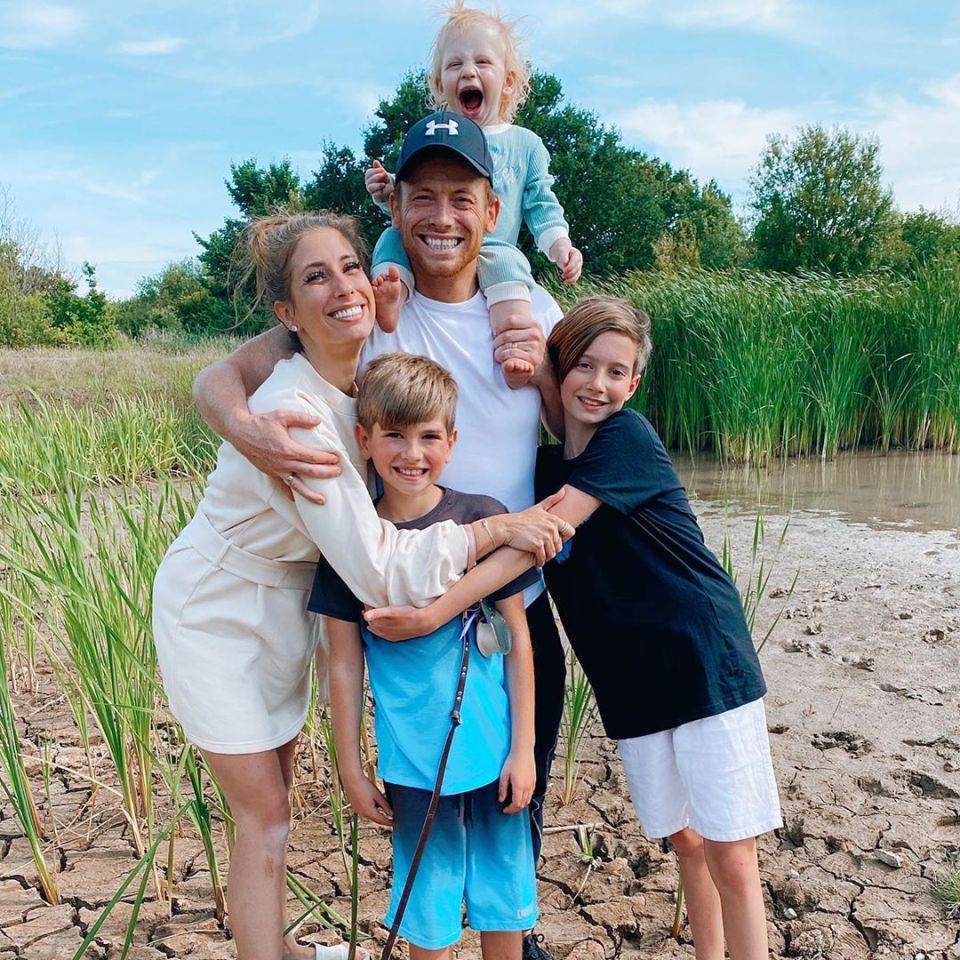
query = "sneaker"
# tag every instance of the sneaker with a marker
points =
(532, 949)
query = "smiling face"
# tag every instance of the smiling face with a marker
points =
(442, 209)
(474, 79)
(408, 459)
(600, 382)
(331, 300)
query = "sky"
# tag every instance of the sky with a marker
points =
(118, 125)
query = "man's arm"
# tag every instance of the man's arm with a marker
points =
(220, 392)
(346, 701)
(519, 773)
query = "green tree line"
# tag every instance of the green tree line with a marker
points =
(817, 204)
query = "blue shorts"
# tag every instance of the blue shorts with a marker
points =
(476, 853)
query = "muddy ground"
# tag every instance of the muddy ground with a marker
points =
(864, 718)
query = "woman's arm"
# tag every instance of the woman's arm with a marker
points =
(220, 392)
(498, 569)
(346, 702)
(519, 774)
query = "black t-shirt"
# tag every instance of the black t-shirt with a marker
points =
(333, 598)
(652, 616)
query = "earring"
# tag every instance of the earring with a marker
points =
(292, 328)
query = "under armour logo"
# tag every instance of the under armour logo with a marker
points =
(450, 126)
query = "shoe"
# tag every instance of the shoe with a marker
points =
(532, 949)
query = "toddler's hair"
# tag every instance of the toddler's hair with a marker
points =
(458, 18)
(586, 320)
(400, 389)
(271, 240)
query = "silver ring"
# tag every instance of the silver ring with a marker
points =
(288, 479)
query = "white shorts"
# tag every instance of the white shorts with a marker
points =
(714, 775)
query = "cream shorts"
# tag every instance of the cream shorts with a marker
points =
(714, 775)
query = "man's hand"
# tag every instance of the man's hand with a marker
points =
(379, 182)
(264, 439)
(568, 258)
(518, 777)
(400, 623)
(521, 337)
(367, 800)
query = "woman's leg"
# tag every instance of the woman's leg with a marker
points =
(734, 869)
(255, 788)
(700, 894)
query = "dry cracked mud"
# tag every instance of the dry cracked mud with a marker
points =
(864, 716)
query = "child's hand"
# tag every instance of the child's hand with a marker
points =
(400, 623)
(368, 801)
(518, 777)
(568, 259)
(379, 182)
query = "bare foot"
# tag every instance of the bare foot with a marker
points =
(517, 372)
(390, 294)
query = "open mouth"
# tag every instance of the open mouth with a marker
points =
(471, 101)
(411, 473)
(348, 313)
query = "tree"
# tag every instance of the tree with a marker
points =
(819, 203)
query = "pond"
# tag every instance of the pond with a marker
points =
(900, 490)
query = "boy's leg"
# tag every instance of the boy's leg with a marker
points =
(421, 953)
(700, 895)
(736, 874)
(392, 278)
(506, 282)
(501, 944)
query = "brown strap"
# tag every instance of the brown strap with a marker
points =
(469, 617)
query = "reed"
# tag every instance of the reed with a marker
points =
(755, 365)
(579, 716)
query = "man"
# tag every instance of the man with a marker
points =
(443, 204)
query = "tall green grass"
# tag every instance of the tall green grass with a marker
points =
(753, 365)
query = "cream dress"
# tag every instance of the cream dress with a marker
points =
(233, 636)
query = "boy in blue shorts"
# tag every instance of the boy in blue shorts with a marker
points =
(479, 851)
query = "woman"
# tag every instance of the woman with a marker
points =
(233, 637)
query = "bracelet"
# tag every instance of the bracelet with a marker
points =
(486, 526)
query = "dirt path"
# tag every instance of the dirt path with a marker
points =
(864, 714)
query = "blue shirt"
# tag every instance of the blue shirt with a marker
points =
(414, 682)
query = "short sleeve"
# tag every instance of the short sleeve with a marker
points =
(620, 466)
(331, 597)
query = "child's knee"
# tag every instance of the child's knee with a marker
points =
(687, 842)
(733, 864)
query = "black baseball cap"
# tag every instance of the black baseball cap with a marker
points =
(449, 132)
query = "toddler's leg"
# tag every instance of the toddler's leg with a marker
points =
(516, 371)
(506, 282)
(501, 944)
(392, 279)
(734, 869)
(700, 895)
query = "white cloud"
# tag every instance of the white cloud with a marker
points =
(38, 25)
(714, 139)
(920, 144)
(147, 48)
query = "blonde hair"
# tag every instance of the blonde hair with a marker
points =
(458, 19)
(586, 320)
(400, 389)
(271, 240)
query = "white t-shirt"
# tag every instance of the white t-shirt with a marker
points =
(496, 448)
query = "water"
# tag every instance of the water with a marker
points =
(909, 491)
